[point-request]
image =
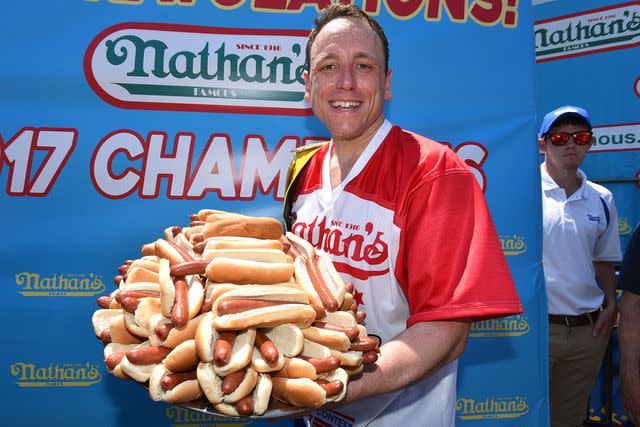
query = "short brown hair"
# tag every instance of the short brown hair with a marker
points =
(339, 10)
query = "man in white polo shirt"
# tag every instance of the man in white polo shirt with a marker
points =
(580, 245)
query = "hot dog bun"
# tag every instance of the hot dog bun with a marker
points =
(258, 227)
(295, 367)
(340, 375)
(261, 394)
(183, 357)
(206, 337)
(332, 339)
(184, 392)
(232, 242)
(302, 392)
(302, 246)
(242, 271)
(287, 337)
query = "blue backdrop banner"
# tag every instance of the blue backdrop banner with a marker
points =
(119, 118)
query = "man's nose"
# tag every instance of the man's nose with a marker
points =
(345, 78)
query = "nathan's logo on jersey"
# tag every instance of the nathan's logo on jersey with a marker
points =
(513, 326)
(592, 31)
(352, 241)
(59, 285)
(513, 244)
(183, 417)
(55, 374)
(495, 407)
(180, 67)
(624, 228)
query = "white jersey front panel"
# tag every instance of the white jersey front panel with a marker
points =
(359, 233)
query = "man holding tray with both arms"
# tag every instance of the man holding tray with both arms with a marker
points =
(404, 220)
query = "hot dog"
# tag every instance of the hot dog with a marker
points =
(187, 302)
(335, 391)
(140, 361)
(175, 336)
(333, 339)
(183, 388)
(329, 302)
(229, 389)
(206, 338)
(295, 367)
(295, 310)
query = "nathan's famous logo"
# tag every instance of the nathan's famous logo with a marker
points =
(55, 375)
(513, 244)
(183, 417)
(496, 407)
(513, 326)
(177, 67)
(619, 137)
(623, 227)
(352, 241)
(59, 285)
(591, 31)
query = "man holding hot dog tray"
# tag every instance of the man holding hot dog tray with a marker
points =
(403, 219)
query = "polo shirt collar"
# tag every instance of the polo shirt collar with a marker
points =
(549, 184)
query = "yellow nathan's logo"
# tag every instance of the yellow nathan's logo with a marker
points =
(513, 326)
(184, 417)
(495, 407)
(623, 227)
(59, 285)
(513, 244)
(55, 374)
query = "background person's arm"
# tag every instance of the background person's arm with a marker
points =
(629, 338)
(606, 275)
(410, 356)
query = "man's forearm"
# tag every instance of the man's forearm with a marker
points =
(606, 275)
(420, 350)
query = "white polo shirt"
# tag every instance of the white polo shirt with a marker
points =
(576, 231)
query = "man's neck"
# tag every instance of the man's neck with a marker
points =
(567, 179)
(346, 153)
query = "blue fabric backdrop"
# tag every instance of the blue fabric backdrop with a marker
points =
(119, 118)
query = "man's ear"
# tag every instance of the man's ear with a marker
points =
(307, 86)
(387, 86)
(542, 144)
(592, 141)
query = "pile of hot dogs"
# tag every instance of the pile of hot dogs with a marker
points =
(232, 309)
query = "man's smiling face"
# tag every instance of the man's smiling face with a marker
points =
(347, 83)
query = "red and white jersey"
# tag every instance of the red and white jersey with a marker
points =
(409, 227)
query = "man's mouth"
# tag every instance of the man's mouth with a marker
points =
(345, 104)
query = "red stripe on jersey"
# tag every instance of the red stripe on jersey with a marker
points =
(358, 273)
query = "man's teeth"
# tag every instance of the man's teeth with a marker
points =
(345, 104)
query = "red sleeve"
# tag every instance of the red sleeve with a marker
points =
(450, 263)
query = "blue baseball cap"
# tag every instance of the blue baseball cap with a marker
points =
(551, 117)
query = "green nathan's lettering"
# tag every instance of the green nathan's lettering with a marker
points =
(152, 57)
(583, 32)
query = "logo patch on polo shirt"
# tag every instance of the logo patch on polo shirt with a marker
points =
(593, 218)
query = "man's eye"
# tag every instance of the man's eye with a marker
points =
(327, 67)
(363, 66)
